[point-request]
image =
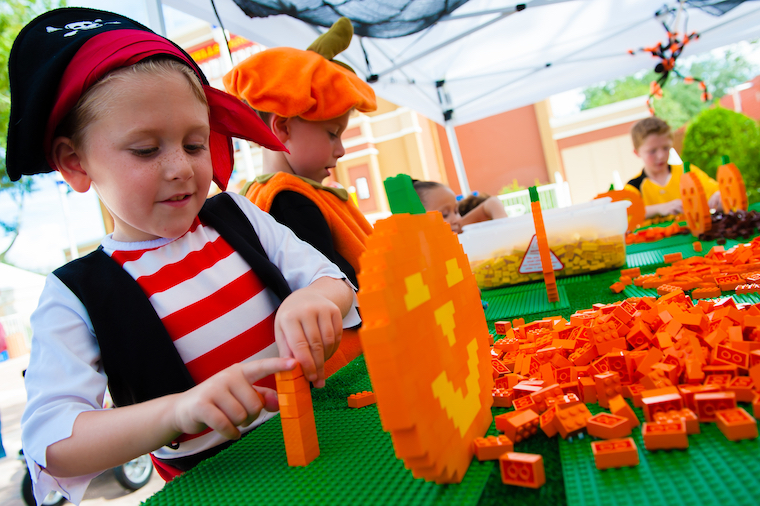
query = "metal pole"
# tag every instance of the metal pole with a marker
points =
(156, 16)
(448, 113)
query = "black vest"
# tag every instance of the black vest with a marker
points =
(137, 353)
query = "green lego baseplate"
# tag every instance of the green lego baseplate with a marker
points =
(712, 471)
(524, 303)
(356, 465)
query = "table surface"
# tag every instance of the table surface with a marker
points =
(357, 464)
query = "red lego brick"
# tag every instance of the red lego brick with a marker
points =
(361, 399)
(708, 404)
(615, 453)
(665, 436)
(492, 447)
(736, 424)
(522, 469)
(608, 426)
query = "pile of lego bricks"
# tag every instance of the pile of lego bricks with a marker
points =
(737, 268)
(674, 359)
(656, 233)
(732, 225)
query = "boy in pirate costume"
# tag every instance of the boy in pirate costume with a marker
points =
(306, 98)
(190, 301)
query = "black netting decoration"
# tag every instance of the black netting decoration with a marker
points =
(382, 19)
(715, 7)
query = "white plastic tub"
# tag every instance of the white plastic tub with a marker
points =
(586, 238)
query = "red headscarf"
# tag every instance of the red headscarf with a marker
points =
(228, 116)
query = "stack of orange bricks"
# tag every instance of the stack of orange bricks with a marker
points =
(655, 233)
(299, 427)
(682, 363)
(736, 269)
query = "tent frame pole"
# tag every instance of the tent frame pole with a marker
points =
(448, 125)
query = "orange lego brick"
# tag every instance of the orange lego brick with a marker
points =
(632, 273)
(705, 293)
(708, 404)
(615, 453)
(525, 402)
(756, 405)
(619, 406)
(297, 372)
(522, 469)
(687, 415)
(607, 386)
(502, 397)
(492, 447)
(608, 426)
(697, 246)
(498, 368)
(519, 425)
(723, 354)
(661, 403)
(295, 405)
(587, 386)
(736, 424)
(743, 388)
(617, 287)
(672, 257)
(572, 420)
(665, 436)
(542, 396)
(301, 443)
(502, 327)
(361, 399)
(546, 421)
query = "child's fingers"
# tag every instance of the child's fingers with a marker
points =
(293, 336)
(236, 413)
(255, 370)
(313, 334)
(218, 421)
(268, 398)
(330, 333)
(249, 399)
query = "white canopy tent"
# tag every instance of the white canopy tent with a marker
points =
(490, 56)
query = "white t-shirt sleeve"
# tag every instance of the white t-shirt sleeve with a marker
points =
(300, 263)
(64, 378)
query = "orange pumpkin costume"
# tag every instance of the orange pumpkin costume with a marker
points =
(309, 84)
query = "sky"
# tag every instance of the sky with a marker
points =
(46, 229)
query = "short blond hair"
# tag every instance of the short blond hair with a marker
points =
(646, 127)
(88, 109)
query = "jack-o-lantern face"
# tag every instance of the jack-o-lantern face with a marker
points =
(695, 204)
(425, 341)
(733, 193)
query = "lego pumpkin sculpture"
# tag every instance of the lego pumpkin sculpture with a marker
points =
(636, 211)
(425, 342)
(694, 203)
(733, 194)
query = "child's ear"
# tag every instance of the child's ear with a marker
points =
(69, 164)
(281, 127)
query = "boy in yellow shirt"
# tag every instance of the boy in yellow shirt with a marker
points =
(659, 183)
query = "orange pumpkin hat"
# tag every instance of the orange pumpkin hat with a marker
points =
(310, 84)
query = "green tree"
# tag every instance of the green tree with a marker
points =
(14, 14)
(681, 102)
(717, 132)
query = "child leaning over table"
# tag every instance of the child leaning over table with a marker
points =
(190, 301)
(659, 183)
(306, 98)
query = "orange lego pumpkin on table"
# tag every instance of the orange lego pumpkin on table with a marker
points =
(733, 193)
(425, 340)
(694, 203)
(636, 211)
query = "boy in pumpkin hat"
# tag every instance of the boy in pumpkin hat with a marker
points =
(306, 98)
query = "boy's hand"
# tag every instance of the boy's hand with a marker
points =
(665, 209)
(309, 325)
(228, 399)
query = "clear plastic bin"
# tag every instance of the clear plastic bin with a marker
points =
(586, 238)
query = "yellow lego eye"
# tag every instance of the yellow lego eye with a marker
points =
(417, 291)
(453, 272)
